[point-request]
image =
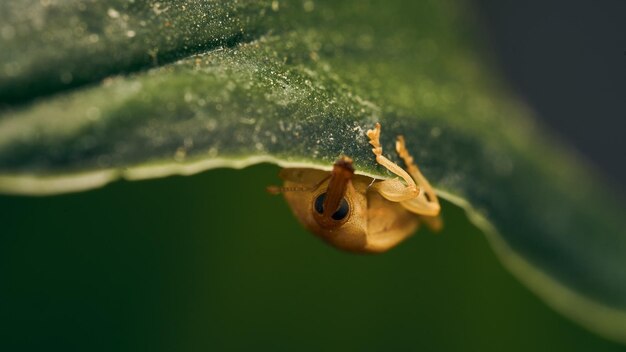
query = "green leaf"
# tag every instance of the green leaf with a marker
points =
(49, 46)
(298, 84)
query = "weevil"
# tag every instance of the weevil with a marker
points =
(357, 213)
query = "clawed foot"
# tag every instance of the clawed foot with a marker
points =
(403, 152)
(374, 136)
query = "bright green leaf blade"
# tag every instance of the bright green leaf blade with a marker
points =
(48, 46)
(305, 94)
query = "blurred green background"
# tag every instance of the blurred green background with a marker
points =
(213, 262)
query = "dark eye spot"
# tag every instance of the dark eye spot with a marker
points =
(343, 210)
(319, 203)
(340, 214)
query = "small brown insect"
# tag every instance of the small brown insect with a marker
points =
(358, 213)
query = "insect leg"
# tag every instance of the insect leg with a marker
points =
(393, 190)
(426, 203)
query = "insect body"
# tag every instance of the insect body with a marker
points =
(357, 213)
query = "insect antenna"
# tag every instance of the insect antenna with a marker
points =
(279, 190)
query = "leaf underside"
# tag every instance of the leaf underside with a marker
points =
(93, 92)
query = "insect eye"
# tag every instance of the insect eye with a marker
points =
(340, 214)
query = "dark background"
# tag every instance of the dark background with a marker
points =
(567, 59)
(212, 262)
